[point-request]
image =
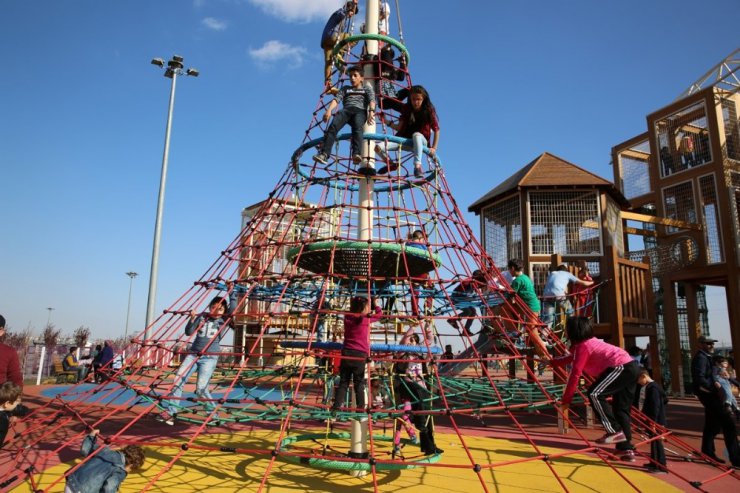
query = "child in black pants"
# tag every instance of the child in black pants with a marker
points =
(652, 402)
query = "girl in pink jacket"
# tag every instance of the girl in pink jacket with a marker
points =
(614, 373)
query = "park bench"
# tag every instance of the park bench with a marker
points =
(63, 376)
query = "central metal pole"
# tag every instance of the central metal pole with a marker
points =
(366, 204)
(151, 300)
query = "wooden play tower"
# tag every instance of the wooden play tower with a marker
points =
(685, 171)
(552, 212)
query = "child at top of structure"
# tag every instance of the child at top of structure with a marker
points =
(356, 349)
(581, 293)
(10, 406)
(106, 469)
(384, 17)
(358, 107)
(652, 402)
(390, 74)
(723, 382)
(417, 121)
(615, 375)
(332, 34)
(203, 352)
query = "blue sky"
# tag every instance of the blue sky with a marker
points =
(82, 120)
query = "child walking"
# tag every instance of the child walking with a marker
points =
(356, 350)
(358, 107)
(652, 404)
(203, 353)
(615, 375)
(106, 470)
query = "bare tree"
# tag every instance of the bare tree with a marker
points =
(81, 335)
(50, 335)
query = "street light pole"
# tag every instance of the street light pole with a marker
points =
(48, 320)
(174, 68)
(131, 276)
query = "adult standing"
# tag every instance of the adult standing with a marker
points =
(10, 367)
(715, 420)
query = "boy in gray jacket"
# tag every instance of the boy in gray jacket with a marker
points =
(105, 470)
(358, 107)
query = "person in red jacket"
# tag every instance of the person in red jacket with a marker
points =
(10, 367)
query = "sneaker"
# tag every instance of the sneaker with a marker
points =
(396, 451)
(418, 172)
(356, 158)
(320, 158)
(166, 418)
(381, 153)
(628, 456)
(612, 438)
(415, 439)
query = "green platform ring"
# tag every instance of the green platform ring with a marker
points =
(362, 259)
(344, 465)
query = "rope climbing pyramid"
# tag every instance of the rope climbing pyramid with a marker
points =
(354, 240)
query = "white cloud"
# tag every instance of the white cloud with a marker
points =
(214, 24)
(299, 10)
(275, 51)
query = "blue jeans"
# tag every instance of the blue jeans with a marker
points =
(205, 366)
(418, 142)
(356, 118)
(547, 315)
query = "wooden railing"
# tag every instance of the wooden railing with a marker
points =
(635, 292)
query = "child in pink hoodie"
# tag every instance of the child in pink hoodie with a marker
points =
(614, 373)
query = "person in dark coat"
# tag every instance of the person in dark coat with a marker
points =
(715, 420)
